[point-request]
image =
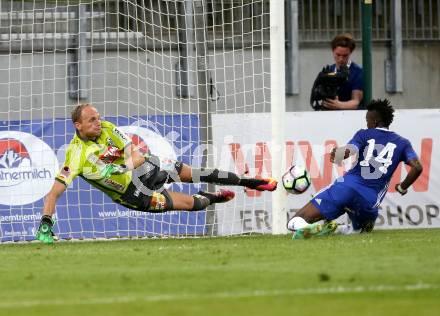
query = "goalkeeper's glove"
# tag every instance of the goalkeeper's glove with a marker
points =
(45, 233)
(111, 168)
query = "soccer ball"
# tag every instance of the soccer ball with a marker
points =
(296, 180)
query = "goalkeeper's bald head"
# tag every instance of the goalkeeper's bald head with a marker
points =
(77, 112)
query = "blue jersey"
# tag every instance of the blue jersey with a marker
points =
(380, 152)
(354, 82)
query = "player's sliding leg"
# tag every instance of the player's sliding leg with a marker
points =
(304, 223)
(315, 229)
(328, 228)
(215, 176)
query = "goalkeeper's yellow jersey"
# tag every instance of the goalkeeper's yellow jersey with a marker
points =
(88, 158)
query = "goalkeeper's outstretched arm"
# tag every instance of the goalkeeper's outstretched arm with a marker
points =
(51, 199)
(134, 160)
(44, 232)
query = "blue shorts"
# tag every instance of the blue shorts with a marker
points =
(339, 199)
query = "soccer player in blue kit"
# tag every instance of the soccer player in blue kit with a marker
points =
(361, 190)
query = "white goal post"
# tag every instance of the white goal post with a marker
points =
(173, 75)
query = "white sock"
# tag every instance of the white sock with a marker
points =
(345, 229)
(296, 223)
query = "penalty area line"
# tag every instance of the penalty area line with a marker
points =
(219, 295)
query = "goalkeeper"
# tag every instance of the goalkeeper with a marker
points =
(105, 157)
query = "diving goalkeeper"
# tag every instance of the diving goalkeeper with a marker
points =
(105, 157)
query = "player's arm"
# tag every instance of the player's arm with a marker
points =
(411, 177)
(51, 198)
(71, 168)
(357, 94)
(44, 232)
(137, 158)
(356, 98)
(338, 154)
(133, 159)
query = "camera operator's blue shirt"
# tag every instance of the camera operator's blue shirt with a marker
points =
(354, 82)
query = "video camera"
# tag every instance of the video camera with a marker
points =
(326, 86)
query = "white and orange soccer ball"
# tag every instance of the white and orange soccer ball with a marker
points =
(296, 180)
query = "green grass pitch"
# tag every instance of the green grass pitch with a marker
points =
(383, 273)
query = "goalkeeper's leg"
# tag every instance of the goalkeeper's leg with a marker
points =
(201, 200)
(167, 200)
(215, 176)
(44, 232)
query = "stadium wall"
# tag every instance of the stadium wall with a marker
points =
(35, 85)
(421, 74)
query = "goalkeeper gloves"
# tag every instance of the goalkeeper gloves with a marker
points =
(111, 168)
(45, 233)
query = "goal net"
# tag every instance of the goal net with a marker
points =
(185, 79)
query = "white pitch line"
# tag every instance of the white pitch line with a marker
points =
(220, 295)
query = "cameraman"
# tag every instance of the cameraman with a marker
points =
(349, 95)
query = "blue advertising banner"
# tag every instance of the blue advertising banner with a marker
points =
(31, 153)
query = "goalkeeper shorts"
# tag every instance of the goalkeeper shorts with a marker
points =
(154, 201)
(146, 191)
(155, 172)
